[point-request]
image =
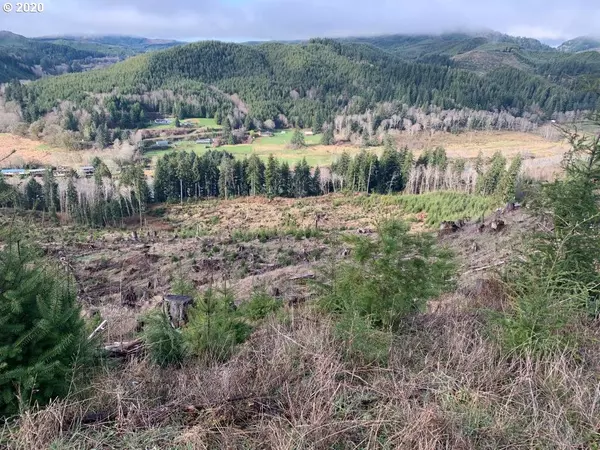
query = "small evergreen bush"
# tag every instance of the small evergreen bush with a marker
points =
(259, 306)
(215, 327)
(164, 343)
(390, 278)
(42, 334)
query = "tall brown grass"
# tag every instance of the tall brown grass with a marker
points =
(291, 386)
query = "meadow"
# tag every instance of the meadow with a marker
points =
(196, 121)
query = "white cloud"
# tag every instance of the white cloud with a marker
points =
(295, 19)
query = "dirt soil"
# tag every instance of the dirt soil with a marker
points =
(233, 244)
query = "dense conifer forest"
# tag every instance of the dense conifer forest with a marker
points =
(307, 84)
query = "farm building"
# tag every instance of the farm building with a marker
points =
(87, 170)
(162, 121)
(204, 141)
(265, 133)
(161, 144)
(308, 133)
(19, 172)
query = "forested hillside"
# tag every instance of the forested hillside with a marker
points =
(29, 58)
(20, 55)
(306, 82)
(117, 45)
(488, 51)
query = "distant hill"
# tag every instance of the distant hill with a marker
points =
(122, 45)
(25, 58)
(29, 58)
(580, 44)
(312, 81)
(451, 44)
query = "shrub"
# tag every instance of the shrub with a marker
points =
(391, 277)
(42, 333)
(558, 278)
(164, 343)
(259, 306)
(214, 327)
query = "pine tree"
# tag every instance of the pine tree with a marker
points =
(34, 195)
(302, 179)
(102, 136)
(41, 330)
(228, 137)
(285, 180)
(272, 177)
(297, 140)
(491, 178)
(507, 186)
(226, 179)
(328, 138)
(316, 182)
(51, 194)
(255, 174)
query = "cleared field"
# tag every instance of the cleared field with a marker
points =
(30, 151)
(466, 145)
(196, 121)
(277, 145)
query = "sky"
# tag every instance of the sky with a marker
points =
(240, 20)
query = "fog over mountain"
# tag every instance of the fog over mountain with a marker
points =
(548, 20)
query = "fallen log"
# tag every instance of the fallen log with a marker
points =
(124, 348)
(98, 328)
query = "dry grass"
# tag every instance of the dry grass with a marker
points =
(469, 144)
(37, 152)
(291, 386)
(464, 145)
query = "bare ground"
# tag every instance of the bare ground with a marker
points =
(292, 385)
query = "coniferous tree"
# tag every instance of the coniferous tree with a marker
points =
(72, 200)
(34, 195)
(507, 185)
(272, 177)
(297, 140)
(492, 176)
(327, 138)
(302, 179)
(41, 330)
(51, 194)
(285, 180)
(316, 182)
(255, 174)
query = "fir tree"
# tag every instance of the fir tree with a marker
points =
(51, 194)
(272, 177)
(41, 330)
(34, 195)
(297, 140)
(327, 138)
(507, 186)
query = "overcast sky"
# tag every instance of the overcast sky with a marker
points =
(237, 20)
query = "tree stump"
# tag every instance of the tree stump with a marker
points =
(178, 306)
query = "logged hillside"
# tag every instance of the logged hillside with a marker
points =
(319, 77)
(486, 52)
(580, 44)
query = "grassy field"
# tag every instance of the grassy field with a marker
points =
(465, 145)
(196, 121)
(278, 145)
